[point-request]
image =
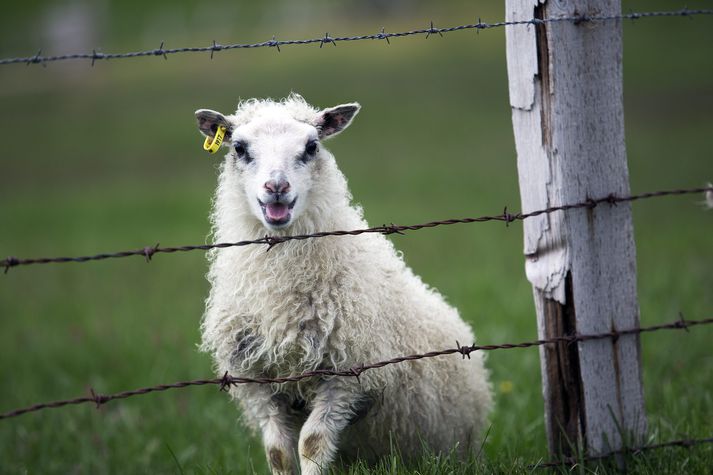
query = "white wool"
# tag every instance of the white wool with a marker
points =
(333, 303)
(293, 106)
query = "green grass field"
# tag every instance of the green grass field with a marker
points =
(108, 158)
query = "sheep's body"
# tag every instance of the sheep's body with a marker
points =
(335, 302)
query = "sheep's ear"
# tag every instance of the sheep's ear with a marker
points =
(209, 121)
(331, 121)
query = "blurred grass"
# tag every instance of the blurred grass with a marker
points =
(107, 158)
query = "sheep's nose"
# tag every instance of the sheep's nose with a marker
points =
(277, 186)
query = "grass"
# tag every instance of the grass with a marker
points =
(108, 158)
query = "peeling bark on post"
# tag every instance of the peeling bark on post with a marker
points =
(565, 81)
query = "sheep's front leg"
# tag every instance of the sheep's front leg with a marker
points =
(279, 441)
(332, 410)
(279, 427)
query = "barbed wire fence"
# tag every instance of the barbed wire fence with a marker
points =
(271, 241)
(215, 47)
(226, 381)
(633, 451)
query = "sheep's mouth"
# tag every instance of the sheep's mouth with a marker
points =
(277, 213)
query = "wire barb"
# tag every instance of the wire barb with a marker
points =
(383, 36)
(215, 47)
(274, 43)
(392, 229)
(273, 241)
(327, 39)
(681, 323)
(433, 30)
(632, 15)
(10, 261)
(96, 56)
(160, 52)
(149, 251)
(98, 399)
(464, 350)
(357, 370)
(507, 217)
(571, 339)
(225, 382)
(479, 26)
(37, 59)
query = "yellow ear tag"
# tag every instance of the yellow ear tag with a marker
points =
(212, 145)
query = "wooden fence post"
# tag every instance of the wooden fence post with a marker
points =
(565, 81)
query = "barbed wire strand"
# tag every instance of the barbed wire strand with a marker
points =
(215, 47)
(572, 461)
(355, 371)
(149, 251)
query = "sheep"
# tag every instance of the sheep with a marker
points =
(328, 303)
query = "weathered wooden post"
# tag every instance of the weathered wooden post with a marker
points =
(565, 83)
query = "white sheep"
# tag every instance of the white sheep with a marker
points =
(331, 303)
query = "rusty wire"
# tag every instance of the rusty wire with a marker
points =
(215, 47)
(572, 461)
(227, 380)
(149, 251)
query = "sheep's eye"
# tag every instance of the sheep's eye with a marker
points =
(242, 152)
(311, 147)
(310, 150)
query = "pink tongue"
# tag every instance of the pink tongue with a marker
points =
(276, 211)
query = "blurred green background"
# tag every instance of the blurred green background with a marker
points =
(108, 158)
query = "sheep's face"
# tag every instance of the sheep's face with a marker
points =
(277, 157)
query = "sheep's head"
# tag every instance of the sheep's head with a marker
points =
(275, 153)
